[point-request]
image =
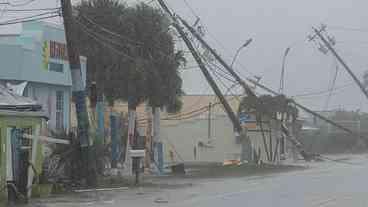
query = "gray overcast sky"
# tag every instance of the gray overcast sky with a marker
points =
(274, 26)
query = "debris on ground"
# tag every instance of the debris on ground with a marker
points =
(161, 200)
(100, 189)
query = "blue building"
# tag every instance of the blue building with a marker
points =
(36, 57)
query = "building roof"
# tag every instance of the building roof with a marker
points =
(13, 104)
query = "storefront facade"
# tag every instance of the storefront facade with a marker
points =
(37, 57)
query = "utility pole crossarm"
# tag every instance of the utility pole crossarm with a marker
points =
(339, 58)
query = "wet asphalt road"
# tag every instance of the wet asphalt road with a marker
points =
(324, 184)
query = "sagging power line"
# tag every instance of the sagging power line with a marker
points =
(17, 4)
(27, 19)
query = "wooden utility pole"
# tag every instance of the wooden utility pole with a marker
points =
(238, 79)
(339, 58)
(204, 70)
(88, 166)
(247, 150)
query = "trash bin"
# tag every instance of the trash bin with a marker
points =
(178, 169)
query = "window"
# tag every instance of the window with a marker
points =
(26, 130)
(34, 93)
(56, 67)
(59, 110)
(25, 92)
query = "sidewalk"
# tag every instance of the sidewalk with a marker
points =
(156, 190)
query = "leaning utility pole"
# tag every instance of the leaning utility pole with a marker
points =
(338, 57)
(88, 169)
(249, 92)
(247, 89)
(240, 134)
(203, 68)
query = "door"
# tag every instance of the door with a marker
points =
(18, 152)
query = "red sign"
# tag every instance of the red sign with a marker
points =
(58, 50)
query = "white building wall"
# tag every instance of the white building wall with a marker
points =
(185, 136)
(45, 94)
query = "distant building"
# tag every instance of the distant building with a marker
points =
(37, 57)
(350, 122)
(197, 134)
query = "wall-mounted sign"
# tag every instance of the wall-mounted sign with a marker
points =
(58, 50)
(244, 118)
(53, 50)
(248, 120)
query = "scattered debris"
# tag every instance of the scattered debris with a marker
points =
(231, 162)
(161, 200)
(100, 189)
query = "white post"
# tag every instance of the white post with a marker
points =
(156, 124)
(31, 173)
(9, 157)
(157, 140)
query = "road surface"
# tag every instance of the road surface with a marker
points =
(327, 184)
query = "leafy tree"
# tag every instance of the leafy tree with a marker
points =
(159, 59)
(269, 106)
(103, 64)
(149, 68)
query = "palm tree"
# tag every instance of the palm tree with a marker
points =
(151, 73)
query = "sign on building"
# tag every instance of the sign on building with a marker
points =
(56, 51)
(248, 120)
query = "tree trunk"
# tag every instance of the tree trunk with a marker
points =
(148, 139)
(115, 126)
(131, 135)
(158, 147)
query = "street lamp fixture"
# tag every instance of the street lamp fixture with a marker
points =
(240, 48)
(282, 79)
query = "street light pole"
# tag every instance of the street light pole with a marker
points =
(282, 79)
(240, 48)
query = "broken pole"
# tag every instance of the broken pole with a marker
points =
(342, 62)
